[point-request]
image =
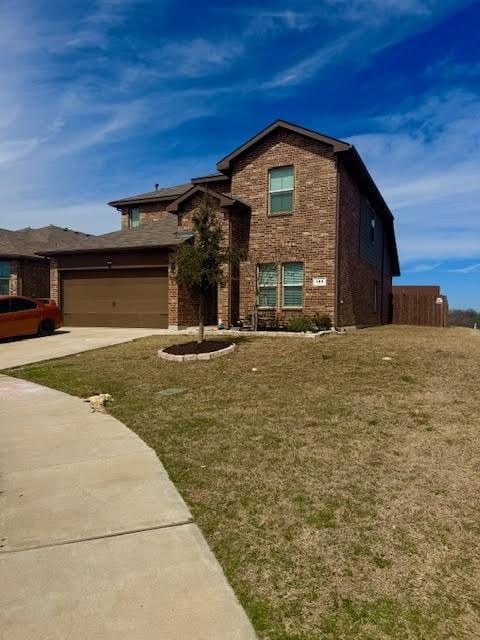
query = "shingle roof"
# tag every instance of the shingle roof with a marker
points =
(210, 177)
(27, 242)
(167, 193)
(150, 235)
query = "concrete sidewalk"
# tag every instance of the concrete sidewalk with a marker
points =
(95, 541)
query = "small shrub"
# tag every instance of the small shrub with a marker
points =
(322, 321)
(299, 324)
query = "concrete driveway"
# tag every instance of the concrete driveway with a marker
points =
(66, 342)
(95, 541)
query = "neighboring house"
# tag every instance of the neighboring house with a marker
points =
(316, 235)
(22, 270)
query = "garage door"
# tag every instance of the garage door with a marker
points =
(116, 298)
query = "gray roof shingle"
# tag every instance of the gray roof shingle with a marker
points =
(150, 235)
(27, 242)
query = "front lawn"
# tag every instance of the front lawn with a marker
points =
(340, 491)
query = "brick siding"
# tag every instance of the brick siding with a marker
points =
(307, 235)
(29, 278)
(151, 212)
(356, 275)
(183, 306)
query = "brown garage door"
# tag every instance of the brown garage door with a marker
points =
(116, 298)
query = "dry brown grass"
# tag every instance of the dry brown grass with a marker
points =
(339, 491)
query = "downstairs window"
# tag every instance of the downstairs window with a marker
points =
(267, 285)
(4, 278)
(293, 285)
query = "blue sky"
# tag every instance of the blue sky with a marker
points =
(103, 98)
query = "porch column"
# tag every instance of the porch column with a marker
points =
(172, 294)
(54, 289)
(15, 280)
(224, 300)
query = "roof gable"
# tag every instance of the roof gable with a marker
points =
(338, 145)
(224, 201)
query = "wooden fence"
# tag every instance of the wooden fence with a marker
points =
(420, 309)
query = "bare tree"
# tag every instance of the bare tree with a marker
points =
(199, 264)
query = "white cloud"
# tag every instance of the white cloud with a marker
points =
(325, 57)
(196, 58)
(264, 21)
(12, 150)
(423, 268)
(470, 269)
(362, 27)
(96, 26)
(449, 69)
(374, 10)
(426, 161)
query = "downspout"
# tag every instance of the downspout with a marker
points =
(336, 313)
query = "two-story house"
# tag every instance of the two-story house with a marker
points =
(315, 232)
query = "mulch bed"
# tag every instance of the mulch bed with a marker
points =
(194, 347)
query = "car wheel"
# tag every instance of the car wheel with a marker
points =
(46, 328)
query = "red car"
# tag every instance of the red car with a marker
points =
(20, 316)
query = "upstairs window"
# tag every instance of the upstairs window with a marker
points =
(293, 285)
(4, 278)
(372, 228)
(133, 218)
(280, 190)
(267, 285)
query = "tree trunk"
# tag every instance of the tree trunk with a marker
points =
(200, 319)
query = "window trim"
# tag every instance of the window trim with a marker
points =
(284, 306)
(270, 192)
(130, 211)
(259, 286)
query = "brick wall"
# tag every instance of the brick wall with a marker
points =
(182, 307)
(308, 235)
(356, 275)
(149, 212)
(220, 186)
(185, 308)
(36, 279)
(29, 278)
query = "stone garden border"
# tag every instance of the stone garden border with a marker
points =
(191, 357)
